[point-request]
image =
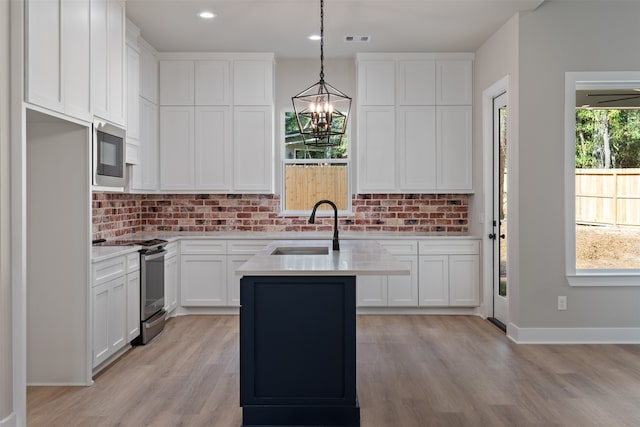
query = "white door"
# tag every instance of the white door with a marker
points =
(499, 233)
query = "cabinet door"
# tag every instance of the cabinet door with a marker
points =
(212, 83)
(117, 97)
(454, 82)
(133, 106)
(376, 82)
(417, 148)
(133, 305)
(145, 173)
(233, 280)
(176, 83)
(416, 82)
(371, 291)
(100, 323)
(148, 74)
(403, 290)
(253, 149)
(213, 148)
(99, 58)
(455, 149)
(171, 283)
(43, 53)
(433, 280)
(252, 82)
(118, 314)
(376, 149)
(176, 148)
(76, 57)
(464, 280)
(203, 280)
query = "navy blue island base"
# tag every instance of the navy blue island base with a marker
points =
(298, 351)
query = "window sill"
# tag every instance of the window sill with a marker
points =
(604, 279)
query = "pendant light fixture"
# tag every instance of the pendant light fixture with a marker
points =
(321, 110)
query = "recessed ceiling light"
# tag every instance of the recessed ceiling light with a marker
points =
(206, 15)
(314, 37)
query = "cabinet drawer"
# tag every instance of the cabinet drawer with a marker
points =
(203, 247)
(250, 247)
(442, 247)
(133, 262)
(400, 247)
(172, 250)
(108, 269)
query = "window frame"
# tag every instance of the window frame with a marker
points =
(284, 162)
(588, 277)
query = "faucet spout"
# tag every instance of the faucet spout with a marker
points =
(312, 220)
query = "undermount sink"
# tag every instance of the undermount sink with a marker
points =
(301, 250)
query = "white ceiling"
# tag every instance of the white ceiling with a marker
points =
(282, 26)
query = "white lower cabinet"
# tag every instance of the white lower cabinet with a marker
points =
(171, 278)
(392, 291)
(449, 273)
(115, 305)
(233, 280)
(109, 318)
(203, 280)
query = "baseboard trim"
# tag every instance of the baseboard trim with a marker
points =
(573, 335)
(9, 421)
(460, 311)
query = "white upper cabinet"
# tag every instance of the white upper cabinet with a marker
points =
(252, 82)
(148, 72)
(212, 83)
(416, 82)
(454, 79)
(145, 173)
(212, 151)
(414, 123)
(58, 55)
(455, 151)
(133, 95)
(376, 158)
(108, 71)
(253, 149)
(376, 82)
(177, 83)
(416, 147)
(230, 97)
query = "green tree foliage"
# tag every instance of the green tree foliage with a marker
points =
(607, 138)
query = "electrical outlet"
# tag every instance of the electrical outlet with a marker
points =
(562, 303)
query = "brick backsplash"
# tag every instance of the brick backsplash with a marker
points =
(115, 215)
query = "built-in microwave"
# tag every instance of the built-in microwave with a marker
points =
(108, 155)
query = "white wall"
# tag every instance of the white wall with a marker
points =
(556, 38)
(6, 324)
(496, 59)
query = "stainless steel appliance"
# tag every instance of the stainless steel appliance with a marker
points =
(152, 313)
(108, 155)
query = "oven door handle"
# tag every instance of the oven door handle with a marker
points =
(154, 255)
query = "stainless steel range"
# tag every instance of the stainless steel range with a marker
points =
(152, 313)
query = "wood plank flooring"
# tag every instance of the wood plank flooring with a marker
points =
(413, 371)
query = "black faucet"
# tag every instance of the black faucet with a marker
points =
(312, 220)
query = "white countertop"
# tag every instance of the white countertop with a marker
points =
(99, 253)
(355, 258)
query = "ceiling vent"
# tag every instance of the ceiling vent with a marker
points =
(357, 39)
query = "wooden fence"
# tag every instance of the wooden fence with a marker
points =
(608, 196)
(306, 184)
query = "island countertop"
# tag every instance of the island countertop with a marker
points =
(355, 258)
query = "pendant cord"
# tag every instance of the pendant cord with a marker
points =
(322, 40)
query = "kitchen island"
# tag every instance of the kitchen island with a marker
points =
(298, 331)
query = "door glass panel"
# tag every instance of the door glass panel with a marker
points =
(502, 201)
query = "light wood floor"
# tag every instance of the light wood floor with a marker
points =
(412, 371)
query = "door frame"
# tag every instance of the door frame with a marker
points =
(499, 87)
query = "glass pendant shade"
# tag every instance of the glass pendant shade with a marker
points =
(321, 110)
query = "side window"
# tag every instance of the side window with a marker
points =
(603, 176)
(313, 173)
